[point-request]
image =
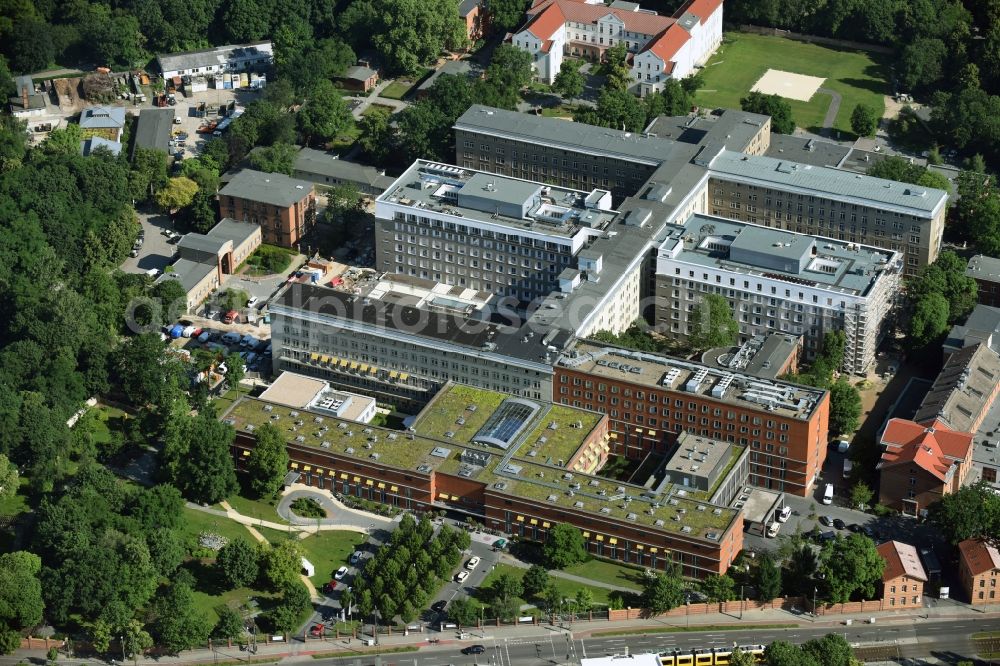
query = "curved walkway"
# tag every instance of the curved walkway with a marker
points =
(830, 119)
(340, 517)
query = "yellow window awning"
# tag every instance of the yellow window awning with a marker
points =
(381, 485)
(364, 367)
(369, 482)
(653, 549)
(520, 519)
(373, 370)
(393, 374)
(394, 488)
(614, 435)
(314, 357)
(334, 360)
(306, 468)
(443, 496)
(600, 537)
(342, 363)
(246, 453)
(354, 365)
(533, 521)
(295, 465)
(403, 376)
(319, 471)
(639, 430)
(612, 541)
(586, 534)
(546, 524)
(330, 472)
(639, 546)
(343, 476)
(651, 433)
(455, 498)
(357, 479)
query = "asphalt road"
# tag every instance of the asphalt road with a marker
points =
(942, 639)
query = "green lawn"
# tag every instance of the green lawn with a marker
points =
(608, 572)
(374, 107)
(259, 509)
(346, 139)
(18, 503)
(568, 588)
(328, 551)
(743, 58)
(196, 522)
(275, 537)
(561, 111)
(399, 88)
(108, 418)
(225, 401)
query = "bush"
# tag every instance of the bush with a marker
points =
(307, 507)
(270, 259)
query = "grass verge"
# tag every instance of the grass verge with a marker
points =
(345, 653)
(608, 572)
(858, 76)
(567, 588)
(704, 627)
(328, 551)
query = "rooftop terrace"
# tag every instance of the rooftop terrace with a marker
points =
(781, 398)
(811, 261)
(499, 200)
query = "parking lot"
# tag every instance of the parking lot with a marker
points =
(156, 251)
(216, 330)
(187, 110)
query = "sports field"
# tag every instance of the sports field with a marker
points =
(743, 58)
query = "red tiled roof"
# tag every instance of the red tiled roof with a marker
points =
(900, 559)
(700, 8)
(544, 24)
(979, 556)
(667, 44)
(580, 12)
(930, 445)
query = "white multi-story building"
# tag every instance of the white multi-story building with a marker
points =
(486, 232)
(664, 47)
(778, 281)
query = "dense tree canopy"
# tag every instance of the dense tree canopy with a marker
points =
(564, 547)
(712, 324)
(771, 105)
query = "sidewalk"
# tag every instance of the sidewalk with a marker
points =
(297, 650)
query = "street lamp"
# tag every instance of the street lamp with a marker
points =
(815, 589)
(122, 639)
(687, 603)
(743, 580)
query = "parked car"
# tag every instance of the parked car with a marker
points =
(188, 331)
(248, 341)
(462, 575)
(134, 253)
(317, 630)
(253, 302)
(340, 573)
(474, 649)
(784, 514)
(826, 521)
(839, 524)
(329, 587)
(472, 564)
(356, 557)
(231, 317)
(231, 338)
(204, 337)
(439, 606)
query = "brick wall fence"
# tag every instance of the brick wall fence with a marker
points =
(816, 39)
(728, 607)
(33, 643)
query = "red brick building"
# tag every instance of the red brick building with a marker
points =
(472, 13)
(650, 399)
(285, 208)
(979, 569)
(921, 463)
(986, 272)
(904, 577)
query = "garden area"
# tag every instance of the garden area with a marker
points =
(401, 87)
(858, 76)
(269, 259)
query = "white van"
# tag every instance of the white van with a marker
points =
(828, 494)
(784, 514)
(772, 530)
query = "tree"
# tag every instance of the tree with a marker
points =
(10, 480)
(509, 69)
(30, 46)
(783, 653)
(771, 105)
(861, 495)
(135, 638)
(505, 15)
(178, 193)
(149, 172)
(718, 588)
(616, 108)
(899, 169)
(239, 563)
(277, 158)
(564, 547)
(712, 324)
(584, 600)
(535, 580)
(200, 215)
(845, 407)
(207, 474)
(864, 120)
(20, 596)
(800, 567)
(922, 62)
(245, 21)
(619, 75)
(179, 624)
(281, 564)
(234, 371)
(230, 624)
(946, 276)
(850, 566)
(325, 115)
(928, 320)
(661, 592)
(767, 577)
(376, 135)
(464, 611)
(972, 512)
(830, 650)
(504, 596)
(569, 82)
(268, 461)
(741, 658)
(553, 598)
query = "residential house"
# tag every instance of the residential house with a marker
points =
(904, 578)
(986, 272)
(285, 208)
(360, 78)
(27, 103)
(979, 568)
(473, 14)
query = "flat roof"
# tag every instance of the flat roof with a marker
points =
(495, 199)
(235, 230)
(629, 146)
(275, 189)
(699, 456)
(758, 508)
(807, 151)
(297, 391)
(668, 373)
(188, 273)
(829, 183)
(760, 356)
(814, 261)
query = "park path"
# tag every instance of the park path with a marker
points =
(830, 119)
(513, 561)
